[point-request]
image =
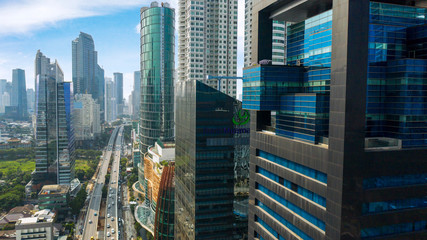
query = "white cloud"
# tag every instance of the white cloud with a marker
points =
(138, 28)
(27, 16)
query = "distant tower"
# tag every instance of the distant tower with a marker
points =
(19, 93)
(157, 67)
(118, 86)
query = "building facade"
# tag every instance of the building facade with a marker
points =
(54, 129)
(110, 100)
(19, 94)
(207, 43)
(208, 200)
(165, 209)
(88, 76)
(337, 135)
(86, 117)
(118, 89)
(157, 67)
(136, 95)
(39, 226)
(31, 96)
(54, 197)
(278, 39)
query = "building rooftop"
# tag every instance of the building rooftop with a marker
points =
(54, 189)
(45, 215)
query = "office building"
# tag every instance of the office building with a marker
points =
(86, 117)
(157, 67)
(118, 92)
(39, 226)
(30, 100)
(207, 43)
(54, 141)
(100, 79)
(209, 134)
(278, 39)
(110, 100)
(54, 197)
(19, 94)
(136, 95)
(88, 76)
(165, 209)
(338, 136)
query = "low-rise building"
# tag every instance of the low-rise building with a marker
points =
(55, 197)
(38, 226)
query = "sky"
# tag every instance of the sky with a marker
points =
(51, 25)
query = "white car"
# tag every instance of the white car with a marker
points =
(112, 219)
(108, 215)
(108, 234)
(112, 231)
(108, 225)
(90, 221)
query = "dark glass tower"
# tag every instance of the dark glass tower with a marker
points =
(165, 208)
(339, 135)
(19, 93)
(54, 131)
(88, 76)
(157, 70)
(205, 201)
(118, 88)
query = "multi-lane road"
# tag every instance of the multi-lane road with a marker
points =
(91, 220)
(111, 230)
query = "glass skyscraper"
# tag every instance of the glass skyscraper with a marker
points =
(118, 90)
(88, 76)
(210, 165)
(54, 129)
(19, 93)
(339, 134)
(157, 74)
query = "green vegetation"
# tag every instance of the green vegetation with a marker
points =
(86, 163)
(78, 202)
(11, 196)
(133, 177)
(17, 153)
(10, 168)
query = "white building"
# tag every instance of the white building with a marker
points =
(208, 42)
(86, 117)
(278, 35)
(110, 100)
(39, 226)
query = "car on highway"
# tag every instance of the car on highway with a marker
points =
(108, 215)
(108, 234)
(95, 214)
(112, 231)
(108, 225)
(90, 221)
(112, 219)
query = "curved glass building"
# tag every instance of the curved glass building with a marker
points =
(157, 70)
(165, 211)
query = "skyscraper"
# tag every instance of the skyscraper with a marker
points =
(207, 204)
(338, 136)
(100, 79)
(165, 208)
(54, 130)
(30, 100)
(19, 93)
(110, 100)
(207, 43)
(157, 67)
(118, 87)
(136, 95)
(88, 76)
(86, 117)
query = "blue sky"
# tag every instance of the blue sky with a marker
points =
(51, 25)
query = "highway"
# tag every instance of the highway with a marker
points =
(111, 229)
(91, 219)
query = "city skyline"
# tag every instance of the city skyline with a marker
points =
(53, 35)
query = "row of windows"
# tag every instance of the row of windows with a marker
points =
(393, 229)
(292, 186)
(399, 204)
(282, 220)
(395, 181)
(295, 209)
(309, 172)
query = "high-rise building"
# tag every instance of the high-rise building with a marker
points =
(118, 88)
(100, 79)
(4, 96)
(210, 131)
(136, 95)
(88, 76)
(208, 42)
(278, 39)
(338, 136)
(157, 67)
(86, 117)
(30, 100)
(110, 100)
(19, 94)
(165, 209)
(54, 138)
